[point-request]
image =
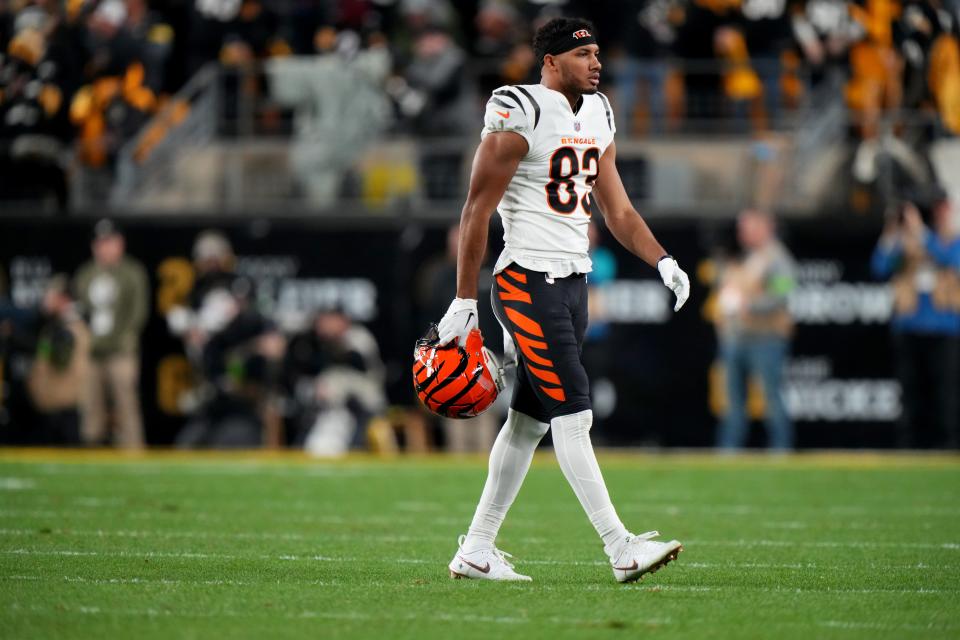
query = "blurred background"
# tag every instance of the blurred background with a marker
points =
(224, 223)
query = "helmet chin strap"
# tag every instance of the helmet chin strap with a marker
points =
(495, 368)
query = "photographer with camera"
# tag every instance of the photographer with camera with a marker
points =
(923, 265)
(60, 365)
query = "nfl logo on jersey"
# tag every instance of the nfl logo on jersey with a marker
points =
(576, 126)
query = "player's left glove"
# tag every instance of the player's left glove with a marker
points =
(675, 279)
(459, 320)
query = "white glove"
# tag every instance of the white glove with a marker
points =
(675, 280)
(459, 320)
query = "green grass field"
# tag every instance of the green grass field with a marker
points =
(166, 546)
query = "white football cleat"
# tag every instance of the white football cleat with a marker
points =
(483, 564)
(641, 555)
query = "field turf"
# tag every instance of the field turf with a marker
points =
(245, 545)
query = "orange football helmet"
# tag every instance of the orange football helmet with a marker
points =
(455, 381)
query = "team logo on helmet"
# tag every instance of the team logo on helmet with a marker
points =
(583, 33)
(455, 381)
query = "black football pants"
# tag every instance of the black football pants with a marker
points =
(547, 320)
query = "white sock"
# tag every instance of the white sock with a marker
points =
(571, 440)
(510, 459)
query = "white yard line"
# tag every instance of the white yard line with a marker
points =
(458, 618)
(539, 587)
(826, 544)
(806, 566)
(158, 581)
(881, 626)
(119, 554)
(161, 513)
(672, 506)
(921, 566)
(357, 616)
(715, 588)
(231, 468)
(96, 502)
(193, 556)
(17, 484)
(220, 535)
(669, 507)
(95, 510)
(256, 535)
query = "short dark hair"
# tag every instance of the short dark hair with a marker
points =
(548, 32)
(106, 228)
(938, 196)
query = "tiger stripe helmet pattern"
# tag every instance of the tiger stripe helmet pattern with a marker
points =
(455, 381)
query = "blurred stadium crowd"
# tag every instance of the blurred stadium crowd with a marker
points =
(254, 373)
(72, 362)
(79, 78)
(84, 81)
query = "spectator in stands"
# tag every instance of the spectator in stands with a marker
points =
(17, 349)
(336, 378)
(421, 16)
(768, 36)
(44, 352)
(113, 293)
(214, 264)
(642, 72)
(742, 89)
(242, 353)
(250, 36)
(930, 46)
(106, 66)
(824, 31)
(60, 366)
(340, 107)
(502, 48)
(435, 77)
(236, 352)
(37, 76)
(127, 50)
(875, 92)
(233, 31)
(754, 328)
(924, 267)
(698, 36)
(213, 271)
(499, 29)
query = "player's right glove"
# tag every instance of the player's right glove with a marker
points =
(459, 320)
(675, 279)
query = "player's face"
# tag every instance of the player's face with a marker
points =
(580, 69)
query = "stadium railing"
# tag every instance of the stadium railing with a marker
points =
(226, 143)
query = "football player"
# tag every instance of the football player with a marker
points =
(546, 152)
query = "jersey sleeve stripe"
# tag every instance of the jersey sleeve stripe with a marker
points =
(536, 107)
(501, 103)
(606, 107)
(510, 94)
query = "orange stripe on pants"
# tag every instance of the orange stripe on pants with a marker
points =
(529, 325)
(511, 291)
(519, 277)
(527, 346)
(556, 394)
(546, 376)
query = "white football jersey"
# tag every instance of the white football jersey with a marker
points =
(547, 206)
